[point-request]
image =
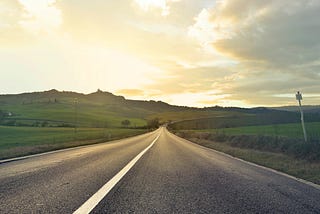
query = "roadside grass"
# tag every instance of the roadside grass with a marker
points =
(19, 141)
(283, 151)
(292, 130)
(297, 167)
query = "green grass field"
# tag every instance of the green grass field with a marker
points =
(32, 122)
(17, 141)
(193, 115)
(63, 113)
(241, 119)
(292, 130)
(65, 109)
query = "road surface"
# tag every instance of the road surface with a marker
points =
(173, 176)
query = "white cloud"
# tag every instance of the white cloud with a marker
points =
(274, 32)
(248, 50)
(202, 29)
(9, 14)
(40, 16)
(276, 45)
(163, 5)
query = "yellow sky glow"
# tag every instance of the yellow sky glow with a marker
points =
(195, 53)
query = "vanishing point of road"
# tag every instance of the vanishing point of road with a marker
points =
(152, 173)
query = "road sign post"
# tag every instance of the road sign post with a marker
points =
(75, 115)
(299, 98)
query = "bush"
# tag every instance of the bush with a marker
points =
(153, 123)
(2, 115)
(292, 147)
(125, 123)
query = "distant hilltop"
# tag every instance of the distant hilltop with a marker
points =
(104, 97)
(104, 109)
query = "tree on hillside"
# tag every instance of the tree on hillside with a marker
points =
(125, 123)
(44, 124)
(2, 114)
(153, 123)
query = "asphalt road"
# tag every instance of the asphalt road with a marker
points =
(173, 176)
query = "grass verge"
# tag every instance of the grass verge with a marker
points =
(308, 169)
(291, 130)
(20, 141)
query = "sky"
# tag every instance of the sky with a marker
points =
(185, 52)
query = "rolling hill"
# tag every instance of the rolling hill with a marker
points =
(306, 108)
(98, 109)
(104, 109)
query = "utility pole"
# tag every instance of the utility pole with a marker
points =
(299, 98)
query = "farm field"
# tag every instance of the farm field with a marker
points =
(18, 141)
(66, 113)
(67, 109)
(188, 115)
(43, 121)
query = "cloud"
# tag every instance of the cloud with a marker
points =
(191, 80)
(278, 33)
(262, 88)
(224, 52)
(23, 22)
(149, 5)
(161, 42)
(10, 30)
(40, 16)
(275, 44)
(10, 11)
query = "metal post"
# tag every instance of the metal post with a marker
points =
(75, 115)
(299, 98)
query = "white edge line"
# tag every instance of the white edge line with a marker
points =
(93, 201)
(309, 183)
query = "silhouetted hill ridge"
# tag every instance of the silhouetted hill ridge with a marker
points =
(103, 97)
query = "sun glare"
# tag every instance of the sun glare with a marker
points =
(113, 69)
(163, 48)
